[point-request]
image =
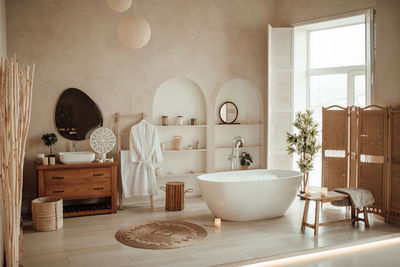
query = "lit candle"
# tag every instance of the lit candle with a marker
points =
(324, 191)
(308, 191)
(217, 222)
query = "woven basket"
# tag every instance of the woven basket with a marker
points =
(47, 214)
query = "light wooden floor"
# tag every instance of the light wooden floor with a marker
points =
(89, 241)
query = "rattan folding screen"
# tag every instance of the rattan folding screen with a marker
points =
(334, 147)
(361, 148)
(393, 185)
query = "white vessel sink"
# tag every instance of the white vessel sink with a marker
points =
(76, 157)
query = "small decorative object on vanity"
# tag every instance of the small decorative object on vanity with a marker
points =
(39, 158)
(228, 113)
(193, 121)
(102, 141)
(245, 160)
(179, 120)
(177, 142)
(52, 160)
(50, 139)
(164, 120)
(45, 161)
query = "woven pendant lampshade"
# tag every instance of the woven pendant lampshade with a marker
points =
(119, 5)
(134, 32)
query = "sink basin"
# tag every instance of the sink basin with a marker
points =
(76, 157)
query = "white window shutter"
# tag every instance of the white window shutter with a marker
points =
(370, 48)
(280, 95)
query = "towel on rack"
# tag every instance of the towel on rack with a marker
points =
(144, 151)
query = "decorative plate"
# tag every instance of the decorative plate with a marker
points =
(102, 140)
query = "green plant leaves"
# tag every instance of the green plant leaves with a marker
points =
(245, 158)
(304, 142)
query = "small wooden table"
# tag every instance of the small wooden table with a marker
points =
(331, 196)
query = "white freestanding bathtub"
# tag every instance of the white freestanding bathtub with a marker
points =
(249, 195)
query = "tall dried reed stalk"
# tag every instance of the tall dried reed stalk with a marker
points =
(15, 112)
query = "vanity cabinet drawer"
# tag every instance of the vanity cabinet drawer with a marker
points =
(78, 190)
(67, 176)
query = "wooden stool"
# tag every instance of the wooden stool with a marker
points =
(331, 196)
(175, 195)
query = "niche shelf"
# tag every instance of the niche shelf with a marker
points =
(185, 150)
(180, 96)
(182, 126)
(240, 148)
(248, 101)
(239, 125)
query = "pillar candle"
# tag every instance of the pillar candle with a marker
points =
(217, 222)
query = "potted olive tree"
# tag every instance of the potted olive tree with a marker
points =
(50, 139)
(245, 160)
(304, 143)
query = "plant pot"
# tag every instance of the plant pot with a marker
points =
(245, 167)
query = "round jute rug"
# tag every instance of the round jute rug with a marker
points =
(161, 235)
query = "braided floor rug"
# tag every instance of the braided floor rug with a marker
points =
(161, 235)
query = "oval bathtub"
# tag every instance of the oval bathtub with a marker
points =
(249, 195)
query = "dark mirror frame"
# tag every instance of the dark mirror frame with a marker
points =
(76, 114)
(237, 112)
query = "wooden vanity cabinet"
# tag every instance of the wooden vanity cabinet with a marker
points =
(80, 181)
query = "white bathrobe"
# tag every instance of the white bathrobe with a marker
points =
(144, 151)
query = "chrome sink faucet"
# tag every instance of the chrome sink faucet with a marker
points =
(234, 157)
(74, 146)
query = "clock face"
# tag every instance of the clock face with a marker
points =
(102, 140)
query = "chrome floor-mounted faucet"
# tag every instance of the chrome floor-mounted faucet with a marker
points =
(234, 157)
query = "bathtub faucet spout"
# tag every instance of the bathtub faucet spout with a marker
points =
(234, 157)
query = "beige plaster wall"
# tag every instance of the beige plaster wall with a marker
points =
(2, 54)
(74, 44)
(387, 88)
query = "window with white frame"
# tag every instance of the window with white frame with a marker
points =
(323, 63)
(336, 70)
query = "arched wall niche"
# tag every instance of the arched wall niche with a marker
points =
(247, 98)
(179, 96)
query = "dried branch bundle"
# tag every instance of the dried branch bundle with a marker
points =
(15, 111)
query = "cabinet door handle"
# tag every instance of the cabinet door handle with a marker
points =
(58, 177)
(58, 191)
(98, 174)
(98, 188)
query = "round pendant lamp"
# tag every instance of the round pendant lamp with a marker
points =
(134, 32)
(119, 5)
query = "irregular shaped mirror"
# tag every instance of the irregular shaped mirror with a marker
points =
(76, 114)
(228, 112)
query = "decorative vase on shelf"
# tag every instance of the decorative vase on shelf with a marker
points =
(177, 142)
